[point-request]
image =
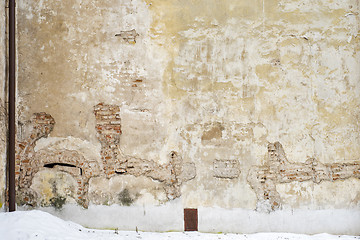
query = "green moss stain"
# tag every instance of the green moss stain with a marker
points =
(125, 198)
(57, 202)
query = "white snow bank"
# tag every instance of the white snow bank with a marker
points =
(31, 225)
(36, 225)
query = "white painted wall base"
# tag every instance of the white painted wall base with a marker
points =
(169, 217)
(333, 221)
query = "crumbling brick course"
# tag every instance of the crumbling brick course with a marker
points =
(108, 126)
(172, 174)
(30, 162)
(278, 169)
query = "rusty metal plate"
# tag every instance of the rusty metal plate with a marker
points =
(190, 219)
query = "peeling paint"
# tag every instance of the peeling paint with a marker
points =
(278, 169)
(205, 80)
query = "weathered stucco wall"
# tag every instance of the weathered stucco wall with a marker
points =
(2, 106)
(231, 104)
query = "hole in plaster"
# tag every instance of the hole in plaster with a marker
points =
(52, 165)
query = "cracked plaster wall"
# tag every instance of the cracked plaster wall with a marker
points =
(211, 80)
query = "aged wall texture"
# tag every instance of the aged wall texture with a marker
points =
(147, 103)
(263, 179)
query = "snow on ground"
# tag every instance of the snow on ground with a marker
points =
(38, 225)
